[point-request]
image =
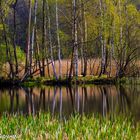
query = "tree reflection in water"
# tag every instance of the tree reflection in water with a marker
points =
(64, 101)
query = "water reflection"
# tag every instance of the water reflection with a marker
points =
(106, 100)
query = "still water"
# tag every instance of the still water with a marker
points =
(65, 101)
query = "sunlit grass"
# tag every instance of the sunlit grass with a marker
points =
(44, 126)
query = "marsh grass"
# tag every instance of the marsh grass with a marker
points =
(43, 126)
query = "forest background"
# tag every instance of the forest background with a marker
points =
(56, 38)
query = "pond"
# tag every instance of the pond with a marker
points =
(107, 100)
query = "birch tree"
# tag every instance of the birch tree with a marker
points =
(75, 39)
(102, 39)
(58, 41)
(43, 37)
(50, 42)
(14, 36)
(33, 39)
(28, 48)
(83, 39)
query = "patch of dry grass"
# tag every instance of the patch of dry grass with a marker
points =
(93, 68)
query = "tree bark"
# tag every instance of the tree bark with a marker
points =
(14, 39)
(58, 41)
(103, 41)
(75, 39)
(34, 43)
(28, 48)
(50, 42)
(43, 37)
(33, 33)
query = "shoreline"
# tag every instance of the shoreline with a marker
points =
(68, 82)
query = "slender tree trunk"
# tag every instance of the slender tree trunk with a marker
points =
(119, 72)
(43, 36)
(75, 39)
(14, 38)
(82, 37)
(50, 42)
(71, 64)
(58, 41)
(84, 45)
(38, 52)
(48, 68)
(103, 41)
(85, 42)
(28, 48)
(33, 33)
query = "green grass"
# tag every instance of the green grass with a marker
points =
(31, 82)
(80, 80)
(44, 126)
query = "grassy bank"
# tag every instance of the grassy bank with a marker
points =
(81, 81)
(45, 127)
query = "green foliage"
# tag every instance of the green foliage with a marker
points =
(44, 126)
(1, 27)
(3, 57)
(117, 23)
(63, 36)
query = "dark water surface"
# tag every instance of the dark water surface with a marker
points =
(64, 101)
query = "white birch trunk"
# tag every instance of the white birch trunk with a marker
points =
(75, 61)
(103, 42)
(50, 42)
(28, 40)
(33, 32)
(58, 41)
